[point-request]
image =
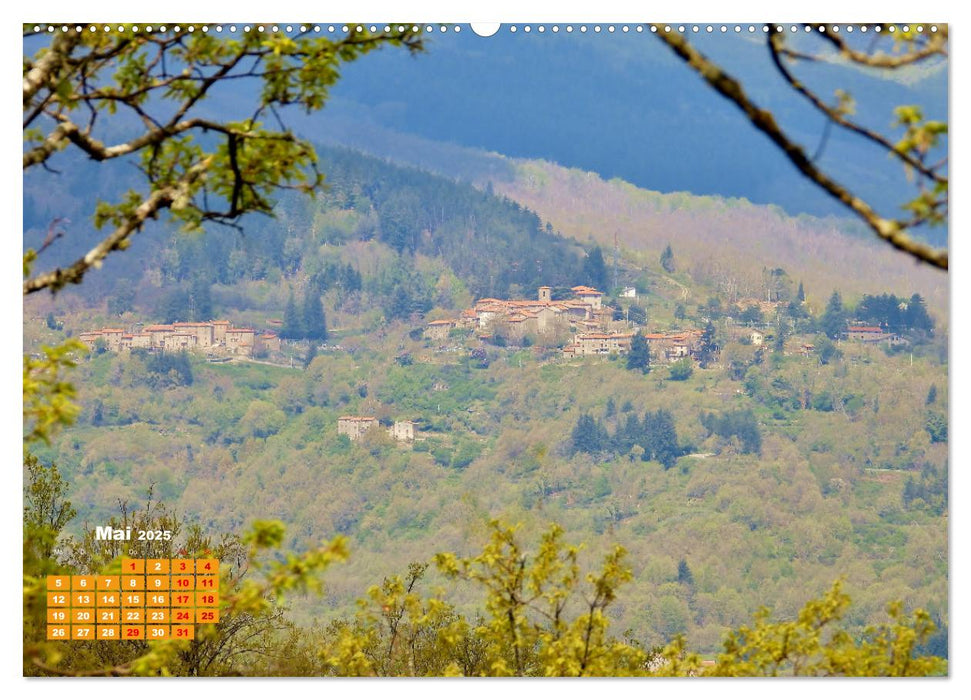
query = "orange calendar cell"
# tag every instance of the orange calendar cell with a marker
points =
(109, 632)
(82, 616)
(157, 566)
(156, 632)
(183, 632)
(207, 566)
(156, 583)
(158, 616)
(58, 583)
(204, 599)
(83, 600)
(108, 617)
(108, 583)
(58, 600)
(82, 631)
(133, 600)
(107, 600)
(60, 632)
(207, 583)
(83, 583)
(183, 616)
(183, 583)
(133, 631)
(183, 566)
(207, 616)
(132, 583)
(132, 566)
(58, 616)
(183, 599)
(133, 617)
(159, 600)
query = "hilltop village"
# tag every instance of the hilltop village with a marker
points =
(212, 337)
(590, 323)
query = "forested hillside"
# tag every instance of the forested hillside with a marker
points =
(801, 467)
(846, 474)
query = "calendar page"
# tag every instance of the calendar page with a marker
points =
(530, 349)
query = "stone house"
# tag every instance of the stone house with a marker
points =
(240, 341)
(871, 334)
(599, 344)
(180, 341)
(402, 431)
(355, 426)
(204, 332)
(439, 330)
(112, 337)
(269, 342)
(219, 329)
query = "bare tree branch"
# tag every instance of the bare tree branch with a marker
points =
(892, 231)
(40, 74)
(936, 46)
(776, 46)
(149, 209)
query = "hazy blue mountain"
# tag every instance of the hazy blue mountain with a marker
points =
(624, 106)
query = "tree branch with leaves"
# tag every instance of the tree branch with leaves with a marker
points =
(198, 168)
(921, 137)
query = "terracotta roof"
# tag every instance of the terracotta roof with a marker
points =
(220, 323)
(865, 329)
(358, 418)
(112, 330)
(442, 322)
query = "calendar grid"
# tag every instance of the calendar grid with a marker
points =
(151, 599)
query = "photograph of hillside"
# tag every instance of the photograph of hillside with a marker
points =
(549, 350)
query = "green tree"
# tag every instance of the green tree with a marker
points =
(639, 357)
(527, 630)
(292, 321)
(681, 370)
(200, 300)
(660, 441)
(684, 573)
(833, 320)
(814, 645)
(587, 436)
(667, 259)
(314, 321)
(595, 270)
(800, 294)
(931, 395)
(46, 509)
(708, 347)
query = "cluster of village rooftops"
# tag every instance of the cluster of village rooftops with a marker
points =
(210, 336)
(594, 330)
